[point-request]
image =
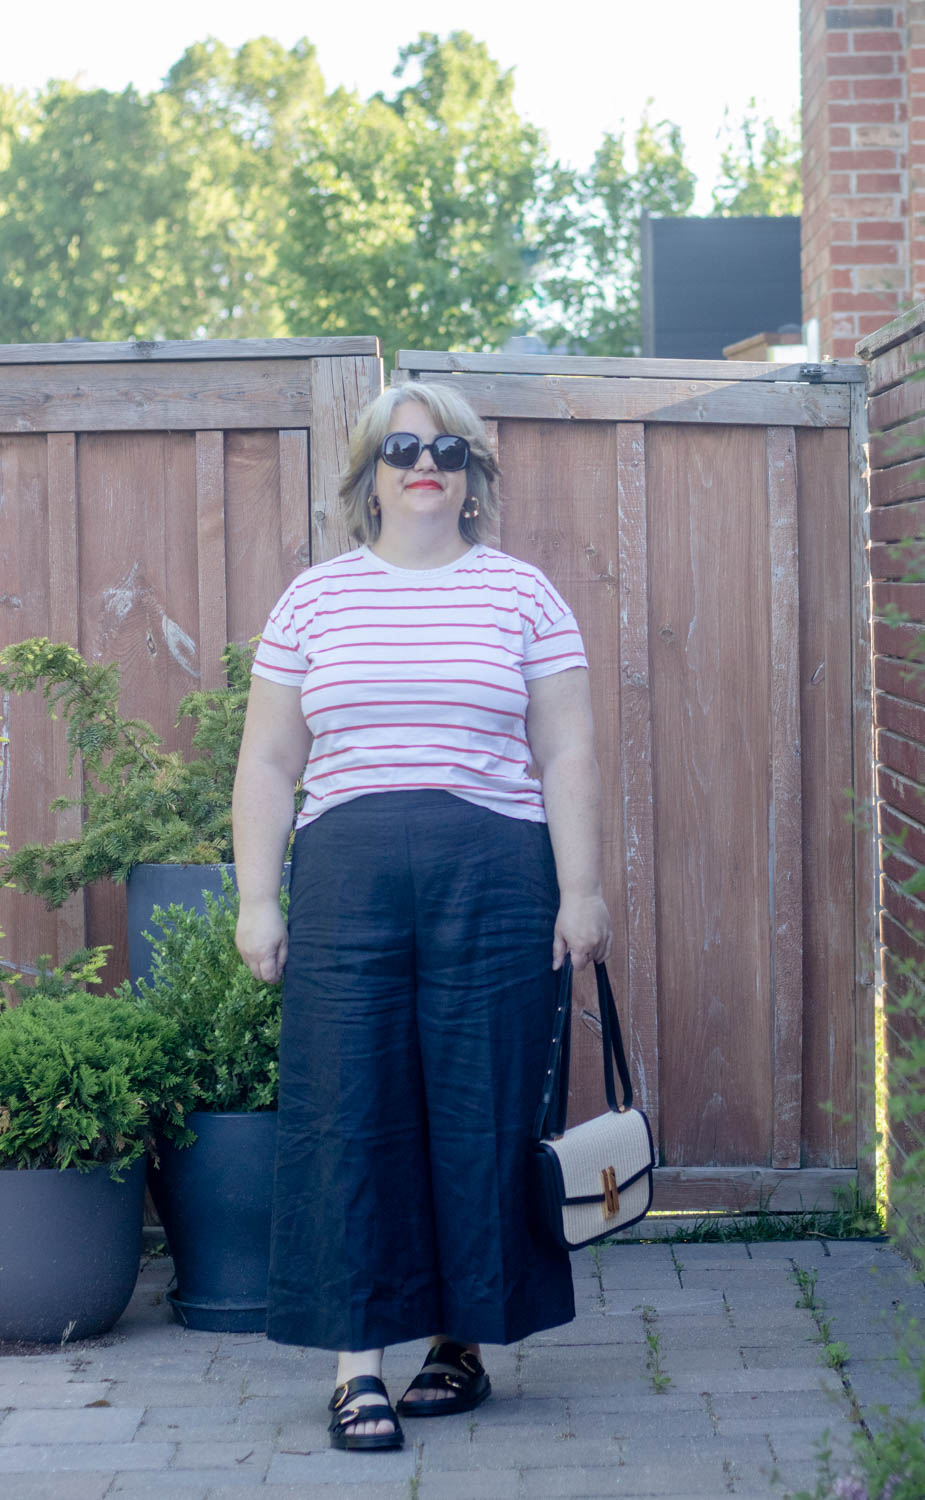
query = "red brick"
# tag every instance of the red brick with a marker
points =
(842, 278)
(843, 232)
(876, 41)
(864, 161)
(865, 255)
(916, 57)
(853, 66)
(917, 154)
(836, 41)
(840, 184)
(842, 88)
(869, 323)
(867, 113)
(879, 229)
(875, 88)
(879, 182)
(877, 302)
(840, 137)
(841, 348)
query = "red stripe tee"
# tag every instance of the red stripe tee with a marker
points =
(416, 678)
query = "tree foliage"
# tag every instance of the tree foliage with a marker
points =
(759, 167)
(242, 198)
(589, 299)
(413, 216)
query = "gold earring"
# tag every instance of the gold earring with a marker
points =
(373, 503)
(470, 515)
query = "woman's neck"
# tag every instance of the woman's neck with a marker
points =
(419, 548)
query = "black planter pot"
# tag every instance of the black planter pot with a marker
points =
(70, 1244)
(160, 885)
(214, 1200)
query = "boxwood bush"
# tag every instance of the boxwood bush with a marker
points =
(87, 1079)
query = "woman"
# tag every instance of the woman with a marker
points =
(436, 888)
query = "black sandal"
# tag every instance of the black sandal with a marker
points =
(460, 1372)
(344, 1415)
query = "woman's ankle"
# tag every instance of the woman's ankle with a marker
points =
(351, 1363)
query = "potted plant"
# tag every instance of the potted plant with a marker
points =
(144, 808)
(214, 1199)
(86, 1080)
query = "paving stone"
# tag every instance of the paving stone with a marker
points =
(62, 1392)
(786, 1378)
(781, 1404)
(338, 1491)
(58, 1487)
(94, 1425)
(22, 1458)
(327, 1465)
(448, 1484)
(701, 1477)
(144, 1486)
(236, 1454)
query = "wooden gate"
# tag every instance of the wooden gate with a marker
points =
(707, 523)
(154, 503)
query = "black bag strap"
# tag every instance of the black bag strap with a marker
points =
(553, 1106)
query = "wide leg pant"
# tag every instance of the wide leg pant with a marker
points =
(417, 1010)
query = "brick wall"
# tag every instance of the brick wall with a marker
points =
(896, 387)
(859, 252)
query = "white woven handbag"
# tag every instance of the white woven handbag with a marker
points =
(596, 1178)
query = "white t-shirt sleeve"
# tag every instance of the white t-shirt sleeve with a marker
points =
(552, 640)
(280, 656)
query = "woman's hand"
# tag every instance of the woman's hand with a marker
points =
(262, 940)
(583, 929)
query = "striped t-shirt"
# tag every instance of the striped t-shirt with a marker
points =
(416, 678)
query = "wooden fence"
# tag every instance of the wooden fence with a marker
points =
(154, 503)
(897, 530)
(706, 521)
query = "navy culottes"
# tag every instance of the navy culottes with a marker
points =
(417, 1011)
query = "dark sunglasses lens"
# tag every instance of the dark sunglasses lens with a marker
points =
(401, 450)
(450, 452)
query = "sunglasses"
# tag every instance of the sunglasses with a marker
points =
(401, 450)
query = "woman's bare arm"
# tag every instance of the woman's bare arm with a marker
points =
(274, 749)
(560, 730)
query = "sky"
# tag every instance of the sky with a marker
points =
(580, 69)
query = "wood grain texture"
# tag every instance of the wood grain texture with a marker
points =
(902, 481)
(422, 362)
(898, 445)
(896, 523)
(295, 508)
(862, 785)
(827, 707)
(897, 331)
(710, 651)
(899, 560)
(641, 1007)
(785, 812)
(258, 566)
(139, 585)
(27, 763)
(897, 364)
(559, 512)
(746, 1189)
(335, 393)
(155, 397)
(899, 404)
(139, 352)
(64, 625)
(565, 398)
(210, 550)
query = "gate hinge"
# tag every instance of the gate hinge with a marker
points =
(811, 373)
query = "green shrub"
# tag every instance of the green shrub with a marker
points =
(141, 803)
(230, 1021)
(86, 1079)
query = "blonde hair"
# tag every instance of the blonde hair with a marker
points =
(449, 412)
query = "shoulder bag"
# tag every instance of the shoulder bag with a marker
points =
(596, 1178)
